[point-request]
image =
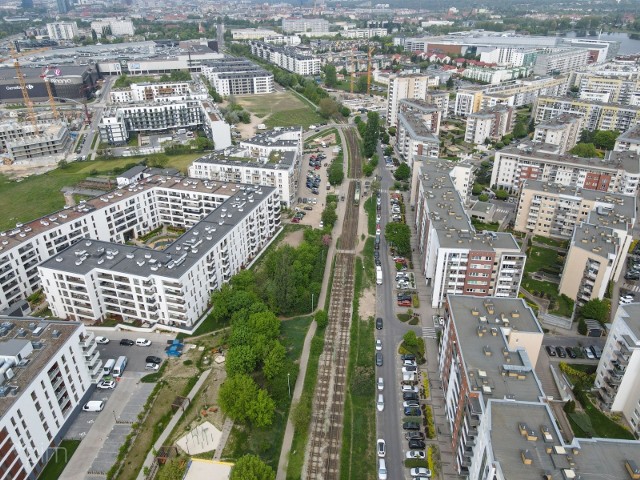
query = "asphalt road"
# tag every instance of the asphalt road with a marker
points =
(389, 422)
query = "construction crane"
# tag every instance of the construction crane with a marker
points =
(45, 76)
(353, 69)
(370, 51)
(31, 115)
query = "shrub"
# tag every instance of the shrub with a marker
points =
(570, 406)
(322, 319)
(430, 430)
(425, 384)
(416, 301)
(415, 462)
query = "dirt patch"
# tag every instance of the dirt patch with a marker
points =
(294, 238)
(368, 303)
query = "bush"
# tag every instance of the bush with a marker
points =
(430, 431)
(582, 327)
(415, 300)
(322, 319)
(570, 406)
(415, 462)
(425, 385)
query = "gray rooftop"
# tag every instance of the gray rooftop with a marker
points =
(485, 358)
(490, 112)
(417, 105)
(449, 218)
(597, 239)
(631, 314)
(414, 123)
(177, 258)
(284, 160)
(560, 122)
(630, 136)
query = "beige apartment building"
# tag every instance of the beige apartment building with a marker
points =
(489, 123)
(414, 86)
(562, 131)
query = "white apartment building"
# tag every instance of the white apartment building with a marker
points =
(560, 61)
(47, 371)
(489, 123)
(412, 86)
(364, 33)
(628, 141)
(272, 159)
(617, 377)
(288, 58)
(514, 56)
(228, 225)
(414, 139)
(597, 115)
(238, 76)
(118, 122)
(156, 92)
(305, 25)
(618, 172)
(252, 33)
(117, 27)
(453, 257)
(440, 100)
(62, 30)
(562, 131)
(497, 75)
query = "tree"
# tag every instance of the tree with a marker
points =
(274, 361)
(501, 194)
(330, 76)
(483, 197)
(403, 172)
(582, 327)
(388, 151)
(361, 84)
(241, 359)
(344, 111)
(584, 150)
(203, 143)
(172, 470)
(570, 406)
(371, 134)
(322, 318)
(250, 467)
(236, 397)
(399, 234)
(328, 107)
(450, 83)
(605, 139)
(262, 409)
(62, 164)
(520, 130)
(596, 309)
(410, 339)
(336, 173)
(329, 215)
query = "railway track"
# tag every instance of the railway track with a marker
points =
(355, 159)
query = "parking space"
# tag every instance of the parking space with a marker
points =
(109, 451)
(135, 355)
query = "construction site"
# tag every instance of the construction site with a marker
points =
(35, 130)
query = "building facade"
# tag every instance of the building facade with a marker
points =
(413, 87)
(48, 368)
(628, 141)
(560, 61)
(562, 131)
(489, 123)
(117, 27)
(305, 25)
(236, 76)
(288, 58)
(62, 30)
(156, 92)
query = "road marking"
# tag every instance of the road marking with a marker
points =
(429, 332)
(633, 288)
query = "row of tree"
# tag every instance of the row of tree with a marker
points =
(370, 133)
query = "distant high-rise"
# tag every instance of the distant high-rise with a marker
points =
(27, 4)
(63, 6)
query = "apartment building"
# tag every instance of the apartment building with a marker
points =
(595, 255)
(597, 115)
(251, 33)
(414, 139)
(238, 76)
(116, 27)
(62, 30)
(288, 40)
(118, 122)
(157, 92)
(516, 93)
(454, 258)
(562, 131)
(489, 124)
(441, 101)
(502, 425)
(305, 25)
(364, 33)
(605, 87)
(560, 61)
(272, 159)
(429, 114)
(22, 144)
(618, 172)
(47, 371)
(618, 375)
(515, 56)
(288, 58)
(412, 86)
(628, 141)
(495, 75)
(94, 280)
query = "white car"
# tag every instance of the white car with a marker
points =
(106, 385)
(411, 404)
(587, 351)
(380, 384)
(143, 342)
(381, 448)
(409, 388)
(321, 225)
(152, 366)
(628, 296)
(409, 369)
(415, 454)
(378, 345)
(409, 363)
(102, 340)
(625, 301)
(380, 403)
(420, 472)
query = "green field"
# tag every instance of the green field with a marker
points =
(59, 460)
(539, 258)
(38, 195)
(280, 109)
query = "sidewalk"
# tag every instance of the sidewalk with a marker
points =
(283, 462)
(172, 423)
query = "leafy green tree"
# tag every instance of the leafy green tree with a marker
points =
(322, 318)
(450, 83)
(410, 339)
(586, 136)
(250, 467)
(241, 359)
(584, 150)
(203, 143)
(328, 107)
(597, 309)
(275, 360)
(371, 134)
(501, 194)
(336, 173)
(388, 151)
(262, 409)
(265, 323)
(330, 76)
(361, 84)
(582, 327)
(344, 111)
(402, 173)
(172, 470)
(605, 139)
(236, 397)
(520, 130)
(483, 197)
(392, 131)
(399, 234)
(329, 215)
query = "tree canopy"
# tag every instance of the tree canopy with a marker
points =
(250, 467)
(584, 150)
(399, 234)
(403, 172)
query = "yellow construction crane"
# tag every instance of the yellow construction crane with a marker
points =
(52, 101)
(369, 70)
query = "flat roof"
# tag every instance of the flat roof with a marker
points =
(631, 314)
(415, 124)
(484, 356)
(45, 338)
(173, 262)
(631, 136)
(199, 469)
(560, 122)
(596, 239)
(284, 160)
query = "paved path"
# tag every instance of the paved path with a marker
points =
(172, 423)
(226, 431)
(304, 356)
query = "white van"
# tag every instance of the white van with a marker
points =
(382, 469)
(119, 367)
(93, 406)
(108, 366)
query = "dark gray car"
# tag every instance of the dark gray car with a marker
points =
(379, 359)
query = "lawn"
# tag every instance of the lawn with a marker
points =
(39, 195)
(533, 286)
(59, 460)
(370, 208)
(280, 109)
(480, 226)
(369, 263)
(551, 242)
(539, 258)
(267, 442)
(593, 423)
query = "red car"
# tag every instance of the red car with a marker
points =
(295, 220)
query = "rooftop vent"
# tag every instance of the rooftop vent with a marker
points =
(527, 457)
(55, 334)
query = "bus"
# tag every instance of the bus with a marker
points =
(121, 364)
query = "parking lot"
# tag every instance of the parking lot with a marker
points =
(135, 355)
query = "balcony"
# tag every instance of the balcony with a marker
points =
(87, 340)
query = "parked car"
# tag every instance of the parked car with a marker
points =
(378, 344)
(411, 396)
(381, 448)
(420, 472)
(561, 353)
(409, 388)
(588, 353)
(380, 403)
(408, 356)
(409, 369)
(152, 366)
(379, 359)
(411, 426)
(571, 353)
(143, 342)
(153, 359)
(106, 385)
(409, 363)
(417, 444)
(416, 454)
(550, 350)
(380, 383)
(414, 436)
(102, 340)
(379, 323)
(411, 404)
(412, 412)
(126, 341)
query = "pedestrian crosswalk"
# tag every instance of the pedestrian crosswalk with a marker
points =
(429, 332)
(502, 210)
(631, 288)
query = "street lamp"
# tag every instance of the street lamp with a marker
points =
(289, 383)
(311, 302)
